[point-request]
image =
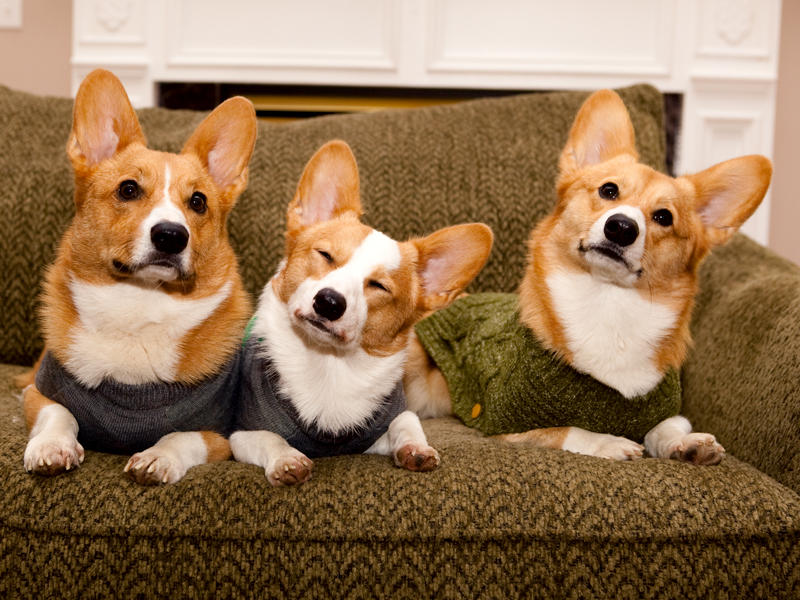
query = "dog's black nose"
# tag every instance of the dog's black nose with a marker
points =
(170, 238)
(621, 230)
(329, 304)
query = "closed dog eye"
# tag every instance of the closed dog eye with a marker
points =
(377, 285)
(325, 255)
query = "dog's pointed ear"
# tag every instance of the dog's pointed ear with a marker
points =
(448, 260)
(328, 188)
(601, 130)
(224, 143)
(103, 121)
(728, 193)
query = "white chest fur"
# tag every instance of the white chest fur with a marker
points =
(132, 334)
(612, 332)
(335, 390)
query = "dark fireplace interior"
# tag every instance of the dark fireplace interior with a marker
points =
(288, 102)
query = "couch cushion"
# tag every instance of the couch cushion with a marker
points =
(495, 520)
(742, 380)
(486, 160)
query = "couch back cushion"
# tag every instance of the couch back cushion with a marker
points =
(493, 161)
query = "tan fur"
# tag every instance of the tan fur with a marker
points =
(29, 377)
(332, 174)
(708, 208)
(536, 308)
(330, 182)
(551, 437)
(34, 402)
(426, 388)
(672, 255)
(218, 447)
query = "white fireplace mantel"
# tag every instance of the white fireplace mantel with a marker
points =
(722, 55)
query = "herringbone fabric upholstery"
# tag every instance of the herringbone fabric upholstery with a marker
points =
(495, 520)
(492, 161)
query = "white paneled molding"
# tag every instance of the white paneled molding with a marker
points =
(722, 55)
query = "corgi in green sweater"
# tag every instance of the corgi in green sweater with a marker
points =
(585, 357)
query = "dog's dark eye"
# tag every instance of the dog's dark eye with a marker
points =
(663, 217)
(377, 285)
(198, 203)
(325, 255)
(609, 191)
(128, 190)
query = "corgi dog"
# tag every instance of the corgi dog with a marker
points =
(324, 354)
(610, 281)
(143, 308)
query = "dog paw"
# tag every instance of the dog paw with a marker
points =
(52, 456)
(698, 449)
(619, 448)
(153, 468)
(417, 458)
(290, 469)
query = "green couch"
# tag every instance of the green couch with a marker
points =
(495, 520)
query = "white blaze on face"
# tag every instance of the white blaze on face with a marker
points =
(166, 210)
(377, 251)
(332, 383)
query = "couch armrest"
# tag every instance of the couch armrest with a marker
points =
(742, 379)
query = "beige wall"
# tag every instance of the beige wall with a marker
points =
(785, 218)
(36, 58)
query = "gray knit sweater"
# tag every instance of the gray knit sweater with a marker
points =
(262, 407)
(123, 419)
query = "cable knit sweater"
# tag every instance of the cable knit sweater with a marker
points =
(502, 381)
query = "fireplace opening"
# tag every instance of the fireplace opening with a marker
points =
(289, 102)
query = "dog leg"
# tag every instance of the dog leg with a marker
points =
(673, 438)
(174, 454)
(53, 445)
(602, 444)
(426, 389)
(579, 441)
(283, 464)
(29, 377)
(406, 443)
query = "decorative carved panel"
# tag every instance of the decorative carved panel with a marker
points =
(313, 33)
(611, 37)
(720, 55)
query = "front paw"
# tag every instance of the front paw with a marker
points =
(417, 458)
(154, 468)
(698, 449)
(50, 456)
(619, 448)
(290, 469)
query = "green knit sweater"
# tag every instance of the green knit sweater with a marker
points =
(490, 359)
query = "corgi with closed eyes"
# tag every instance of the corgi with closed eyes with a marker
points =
(324, 354)
(143, 308)
(591, 344)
